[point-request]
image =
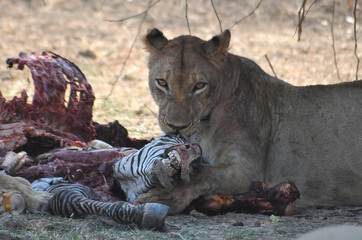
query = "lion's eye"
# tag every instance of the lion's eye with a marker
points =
(199, 86)
(162, 83)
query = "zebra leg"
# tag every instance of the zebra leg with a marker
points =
(72, 200)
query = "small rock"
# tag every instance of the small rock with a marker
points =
(350, 19)
(324, 22)
(257, 224)
(197, 214)
(88, 54)
(5, 77)
(238, 224)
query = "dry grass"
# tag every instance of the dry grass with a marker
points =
(68, 27)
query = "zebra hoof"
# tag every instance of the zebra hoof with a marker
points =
(154, 216)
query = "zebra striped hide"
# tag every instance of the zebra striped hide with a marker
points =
(164, 162)
(76, 200)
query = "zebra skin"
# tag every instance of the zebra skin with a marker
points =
(164, 162)
(76, 200)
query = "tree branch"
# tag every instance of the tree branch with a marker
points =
(138, 14)
(270, 65)
(332, 33)
(302, 14)
(355, 37)
(186, 17)
(150, 4)
(217, 15)
(251, 13)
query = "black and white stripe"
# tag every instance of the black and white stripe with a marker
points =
(134, 172)
(76, 200)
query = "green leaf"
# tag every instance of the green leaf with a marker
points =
(274, 218)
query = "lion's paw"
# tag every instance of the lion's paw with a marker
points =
(11, 201)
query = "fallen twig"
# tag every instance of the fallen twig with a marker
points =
(178, 234)
(174, 226)
(251, 13)
(217, 15)
(352, 209)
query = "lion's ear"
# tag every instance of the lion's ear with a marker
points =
(154, 40)
(218, 45)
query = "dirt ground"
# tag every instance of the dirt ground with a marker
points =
(80, 31)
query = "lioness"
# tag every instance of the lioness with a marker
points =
(252, 126)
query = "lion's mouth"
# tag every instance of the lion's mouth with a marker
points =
(184, 132)
(187, 131)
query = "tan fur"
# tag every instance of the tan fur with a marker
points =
(35, 201)
(252, 126)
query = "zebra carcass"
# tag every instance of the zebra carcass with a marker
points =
(164, 162)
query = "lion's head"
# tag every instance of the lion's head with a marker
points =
(184, 78)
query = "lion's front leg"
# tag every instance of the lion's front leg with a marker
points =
(33, 200)
(208, 179)
(177, 198)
